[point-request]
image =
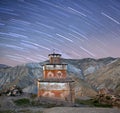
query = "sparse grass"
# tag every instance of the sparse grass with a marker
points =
(50, 105)
(84, 102)
(22, 102)
(27, 102)
(102, 105)
(28, 111)
(44, 105)
(7, 111)
(92, 103)
(39, 112)
(97, 104)
(24, 111)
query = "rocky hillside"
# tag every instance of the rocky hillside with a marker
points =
(23, 76)
(107, 76)
(4, 66)
(89, 75)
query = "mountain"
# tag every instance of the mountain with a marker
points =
(89, 75)
(4, 66)
(107, 76)
(92, 70)
(23, 75)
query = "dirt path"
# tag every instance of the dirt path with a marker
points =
(81, 110)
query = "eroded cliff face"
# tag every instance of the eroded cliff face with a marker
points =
(107, 76)
(22, 76)
(89, 75)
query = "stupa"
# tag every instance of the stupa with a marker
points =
(55, 84)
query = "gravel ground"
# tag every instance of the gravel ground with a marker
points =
(81, 110)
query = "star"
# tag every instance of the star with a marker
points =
(31, 29)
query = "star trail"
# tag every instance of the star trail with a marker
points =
(31, 29)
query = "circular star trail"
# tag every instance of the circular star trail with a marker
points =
(31, 29)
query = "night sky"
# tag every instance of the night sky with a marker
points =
(31, 29)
